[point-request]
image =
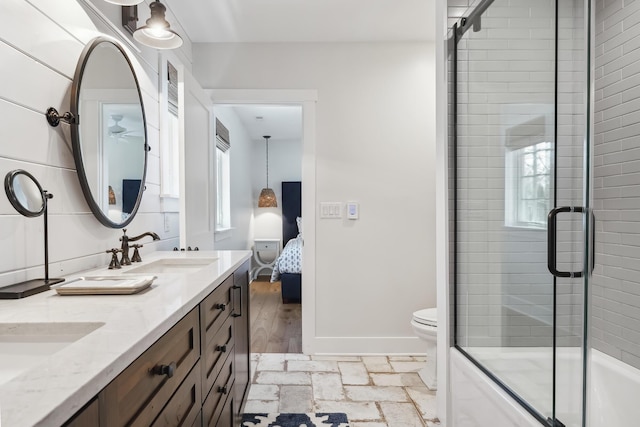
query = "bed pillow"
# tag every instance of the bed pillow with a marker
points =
(299, 224)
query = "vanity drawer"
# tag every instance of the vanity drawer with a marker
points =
(214, 354)
(184, 407)
(221, 391)
(139, 393)
(227, 415)
(87, 416)
(215, 309)
(198, 421)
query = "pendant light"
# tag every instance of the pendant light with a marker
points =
(267, 196)
(157, 33)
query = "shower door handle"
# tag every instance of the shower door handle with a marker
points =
(551, 241)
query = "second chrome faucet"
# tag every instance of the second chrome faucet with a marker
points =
(125, 244)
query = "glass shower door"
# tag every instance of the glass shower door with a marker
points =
(519, 151)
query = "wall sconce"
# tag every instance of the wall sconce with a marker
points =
(157, 32)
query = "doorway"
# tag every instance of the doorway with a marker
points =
(305, 101)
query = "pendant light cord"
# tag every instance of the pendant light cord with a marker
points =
(267, 162)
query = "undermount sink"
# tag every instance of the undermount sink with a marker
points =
(25, 345)
(173, 266)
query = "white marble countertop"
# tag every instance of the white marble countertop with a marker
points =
(55, 389)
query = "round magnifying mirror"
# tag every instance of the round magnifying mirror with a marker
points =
(24, 193)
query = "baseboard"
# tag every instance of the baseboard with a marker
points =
(388, 346)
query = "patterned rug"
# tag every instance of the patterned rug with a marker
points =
(295, 420)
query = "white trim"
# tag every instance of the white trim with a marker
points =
(222, 234)
(262, 96)
(307, 99)
(442, 217)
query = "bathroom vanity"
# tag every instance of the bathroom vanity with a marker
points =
(176, 353)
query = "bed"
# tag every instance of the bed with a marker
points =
(288, 266)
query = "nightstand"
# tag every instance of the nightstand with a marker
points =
(264, 245)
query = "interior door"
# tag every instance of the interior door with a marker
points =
(197, 210)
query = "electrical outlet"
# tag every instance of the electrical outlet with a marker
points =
(167, 224)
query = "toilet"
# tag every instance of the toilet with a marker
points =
(425, 326)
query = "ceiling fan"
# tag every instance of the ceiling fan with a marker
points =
(116, 129)
(120, 132)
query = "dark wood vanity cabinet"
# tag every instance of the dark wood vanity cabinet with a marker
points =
(242, 331)
(229, 370)
(196, 375)
(217, 328)
(87, 416)
(140, 393)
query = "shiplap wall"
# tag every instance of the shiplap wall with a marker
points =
(40, 43)
(616, 278)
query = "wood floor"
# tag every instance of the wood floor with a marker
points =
(275, 327)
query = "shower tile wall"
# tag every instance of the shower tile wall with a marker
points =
(456, 9)
(506, 93)
(616, 279)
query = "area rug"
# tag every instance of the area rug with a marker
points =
(334, 419)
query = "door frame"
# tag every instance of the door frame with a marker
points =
(307, 100)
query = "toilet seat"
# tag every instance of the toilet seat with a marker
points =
(427, 317)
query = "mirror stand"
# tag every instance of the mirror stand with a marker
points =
(18, 193)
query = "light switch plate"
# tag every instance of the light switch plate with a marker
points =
(353, 210)
(330, 210)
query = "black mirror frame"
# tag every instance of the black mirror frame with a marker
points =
(13, 198)
(75, 135)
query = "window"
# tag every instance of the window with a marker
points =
(170, 151)
(528, 189)
(223, 182)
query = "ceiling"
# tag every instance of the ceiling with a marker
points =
(281, 122)
(275, 21)
(246, 21)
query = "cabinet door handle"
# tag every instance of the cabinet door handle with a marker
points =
(222, 389)
(222, 348)
(238, 314)
(220, 307)
(167, 370)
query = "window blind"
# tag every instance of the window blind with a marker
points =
(222, 137)
(172, 78)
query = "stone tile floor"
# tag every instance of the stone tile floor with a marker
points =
(373, 391)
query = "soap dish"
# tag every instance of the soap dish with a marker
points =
(104, 285)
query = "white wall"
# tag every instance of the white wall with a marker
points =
(375, 133)
(240, 158)
(40, 43)
(285, 164)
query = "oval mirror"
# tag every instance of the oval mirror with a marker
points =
(110, 138)
(24, 193)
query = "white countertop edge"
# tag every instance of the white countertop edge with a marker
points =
(55, 390)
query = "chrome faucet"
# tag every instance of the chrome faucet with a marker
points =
(125, 244)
